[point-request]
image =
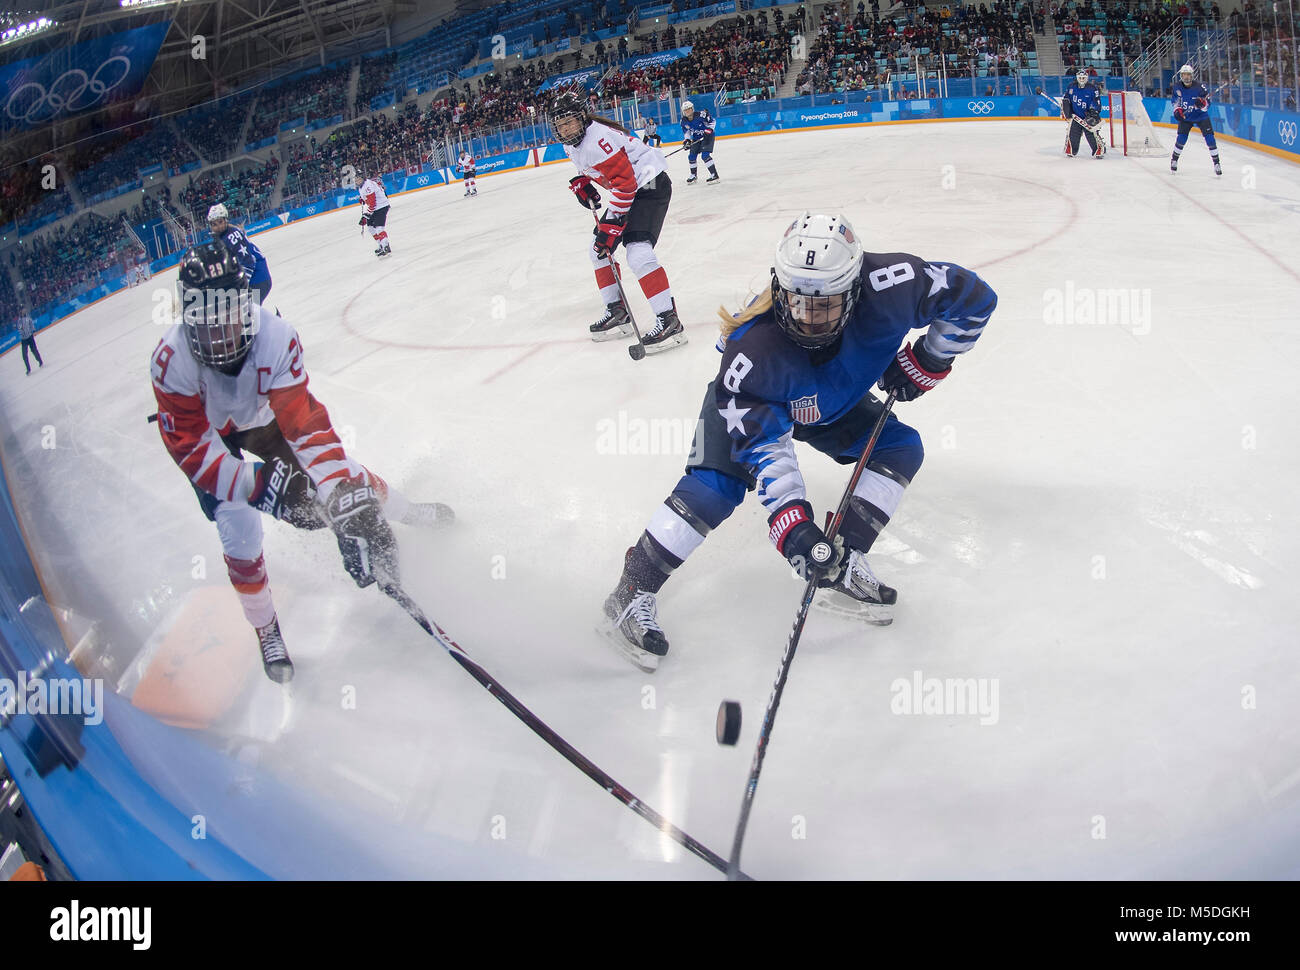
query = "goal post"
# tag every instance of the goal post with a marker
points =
(1131, 129)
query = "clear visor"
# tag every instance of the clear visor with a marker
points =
(220, 322)
(815, 315)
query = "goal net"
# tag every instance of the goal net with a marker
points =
(1130, 125)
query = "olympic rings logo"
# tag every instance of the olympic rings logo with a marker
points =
(33, 102)
(980, 107)
(1286, 130)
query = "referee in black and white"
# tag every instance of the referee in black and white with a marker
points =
(27, 334)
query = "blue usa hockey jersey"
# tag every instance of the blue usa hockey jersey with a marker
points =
(767, 383)
(246, 251)
(1186, 95)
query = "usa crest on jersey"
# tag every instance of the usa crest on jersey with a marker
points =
(805, 410)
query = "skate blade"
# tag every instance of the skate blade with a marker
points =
(622, 330)
(642, 659)
(668, 344)
(875, 614)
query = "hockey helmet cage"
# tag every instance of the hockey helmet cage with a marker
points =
(568, 104)
(817, 279)
(218, 308)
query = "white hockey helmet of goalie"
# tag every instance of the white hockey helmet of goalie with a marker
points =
(816, 279)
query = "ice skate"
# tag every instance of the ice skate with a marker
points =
(711, 178)
(614, 324)
(1173, 163)
(428, 515)
(668, 332)
(275, 656)
(632, 627)
(693, 178)
(857, 594)
(1218, 169)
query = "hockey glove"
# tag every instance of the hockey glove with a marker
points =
(365, 541)
(1202, 103)
(794, 532)
(364, 220)
(271, 487)
(1092, 118)
(914, 371)
(1178, 112)
(585, 192)
(608, 232)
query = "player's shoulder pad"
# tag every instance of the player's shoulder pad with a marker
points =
(766, 351)
(180, 375)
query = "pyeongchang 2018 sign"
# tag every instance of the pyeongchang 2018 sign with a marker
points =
(80, 78)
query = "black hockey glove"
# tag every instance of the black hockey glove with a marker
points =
(272, 487)
(585, 192)
(364, 220)
(365, 541)
(1092, 118)
(1202, 104)
(794, 532)
(608, 232)
(914, 371)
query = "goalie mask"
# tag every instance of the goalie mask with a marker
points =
(1081, 79)
(218, 308)
(569, 118)
(816, 279)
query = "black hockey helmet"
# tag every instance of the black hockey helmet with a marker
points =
(565, 105)
(218, 307)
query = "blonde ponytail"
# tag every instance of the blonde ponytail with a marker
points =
(734, 321)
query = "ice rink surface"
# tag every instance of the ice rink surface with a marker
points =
(1104, 532)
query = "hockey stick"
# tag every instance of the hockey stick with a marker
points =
(637, 352)
(769, 717)
(1097, 132)
(547, 734)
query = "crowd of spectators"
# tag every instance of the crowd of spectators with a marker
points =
(374, 79)
(10, 305)
(150, 145)
(316, 96)
(247, 193)
(66, 259)
(862, 50)
(742, 54)
(214, 130)
(1106, 38)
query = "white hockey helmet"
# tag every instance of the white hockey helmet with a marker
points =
(688, 109)
(1187, 73)
(816, 279)
(218, 213)
(1081, 78)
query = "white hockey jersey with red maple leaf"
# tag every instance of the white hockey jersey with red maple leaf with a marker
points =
(372, 195)
(198, 404)
(617, 161)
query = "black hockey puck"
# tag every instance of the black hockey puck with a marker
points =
(728, 722)
(636, 352)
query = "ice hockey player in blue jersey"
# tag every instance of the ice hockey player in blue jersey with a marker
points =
(1083, 101)
(697, 139)
(1192, 110)
(253, 263)
(798, 364)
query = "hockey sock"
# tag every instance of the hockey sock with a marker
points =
(654, 281)
(875, 499)
(692, 170)
(381, 237)
(606, 282)
(254, 591)
(647, 565)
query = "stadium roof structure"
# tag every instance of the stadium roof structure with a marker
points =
(242, 40)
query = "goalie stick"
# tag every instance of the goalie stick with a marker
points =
(547, 734)
(769, 716)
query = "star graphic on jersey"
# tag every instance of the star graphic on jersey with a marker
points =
(734, 416)
(938, 276)
(243, 250)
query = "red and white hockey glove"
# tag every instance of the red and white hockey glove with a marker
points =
(364, 220)
(585, 192)
(608, 231)
(1202, 103)
(914, 371)
(1178, 112)
(794, 532)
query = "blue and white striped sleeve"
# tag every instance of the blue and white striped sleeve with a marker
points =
(956, 307)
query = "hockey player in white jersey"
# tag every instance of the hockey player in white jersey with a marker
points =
(374, 214)
(229, 379)
(466, 163)
(606, 154)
